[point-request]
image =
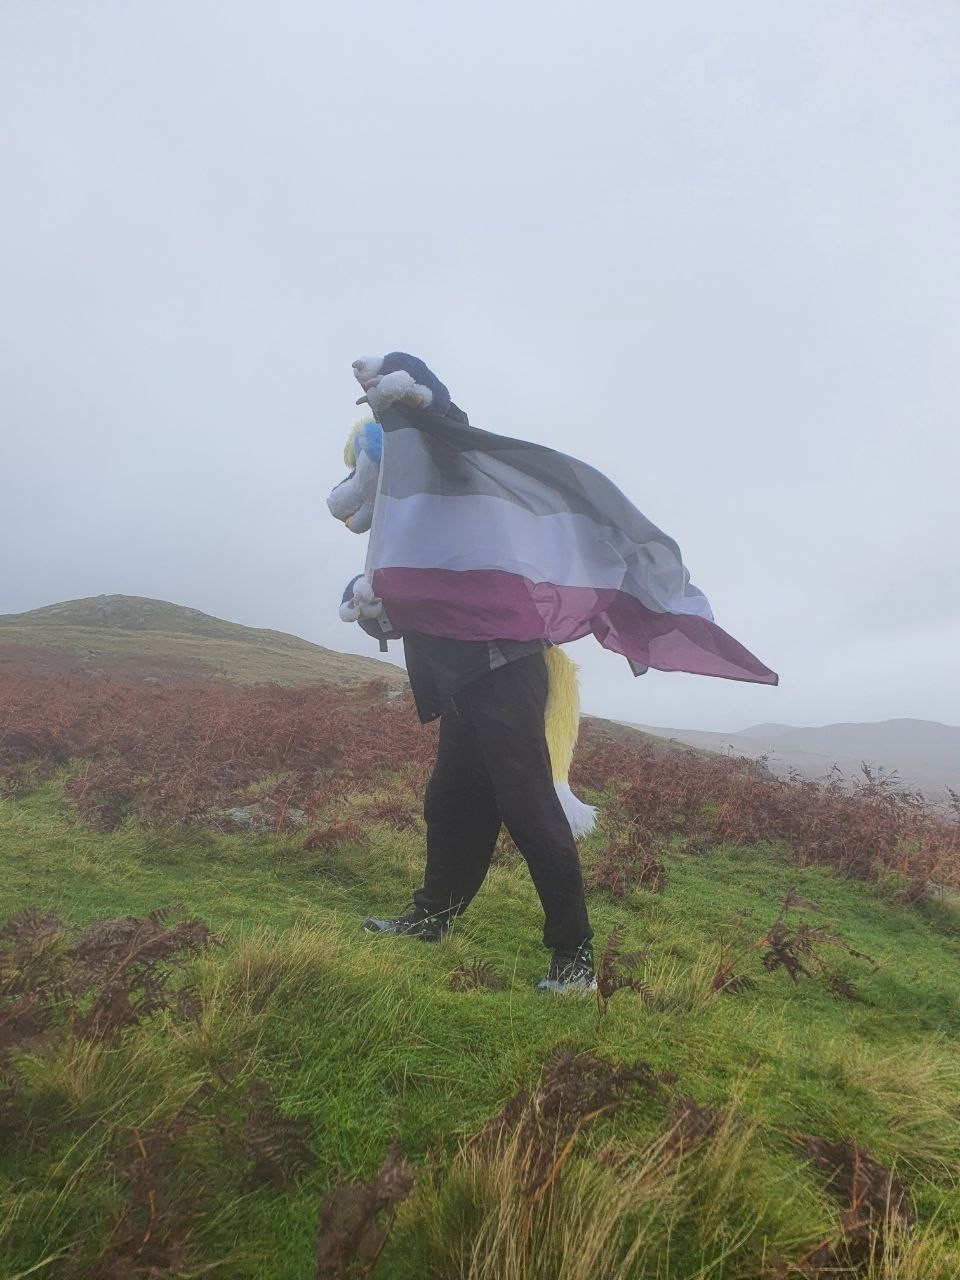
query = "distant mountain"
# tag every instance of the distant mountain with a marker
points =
(156, 639)
(924, 753)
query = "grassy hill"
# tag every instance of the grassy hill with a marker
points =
(773, 1091)
(132, 635)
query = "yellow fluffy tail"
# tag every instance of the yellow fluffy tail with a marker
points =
(561, 723)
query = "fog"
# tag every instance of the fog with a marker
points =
(714, 252)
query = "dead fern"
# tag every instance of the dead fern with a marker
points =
(688, 1125)
(91, 983)
(625, 865)
(858, 1179)
(33, 984)
(798, 948)
(355, 1220)
(872, 1198)
(617, 971)
(840, 986)
(478, 975)
(152, 1230)
(275, 1143)
(793, 902)
(11, 1102)
(187, 1003)
(400, 812)
(126, 963)
(542, 1127)
(334, 835)
(728, 983)
(184, 750)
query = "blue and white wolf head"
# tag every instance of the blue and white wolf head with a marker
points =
(398, 376)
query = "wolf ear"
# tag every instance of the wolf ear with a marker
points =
(456, 414)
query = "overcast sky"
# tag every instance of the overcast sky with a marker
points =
(712, 249)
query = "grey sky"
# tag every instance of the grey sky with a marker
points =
(713, 250)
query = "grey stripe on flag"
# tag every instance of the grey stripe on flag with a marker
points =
(534, 479)
(432, 531)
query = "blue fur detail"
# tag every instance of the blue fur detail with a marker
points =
(419, 372)
(370, 440)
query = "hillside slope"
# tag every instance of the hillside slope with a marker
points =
(137, 636)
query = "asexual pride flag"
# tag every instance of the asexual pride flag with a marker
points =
(479, 537)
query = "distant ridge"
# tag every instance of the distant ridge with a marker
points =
(924, 753)
(138, 636)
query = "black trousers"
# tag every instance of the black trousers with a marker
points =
(493, 767)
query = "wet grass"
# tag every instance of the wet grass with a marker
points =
(363, 1039)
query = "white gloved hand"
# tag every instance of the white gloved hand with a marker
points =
(363, 604)
(353, 499)
(391, 387)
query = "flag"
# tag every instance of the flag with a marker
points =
(477, 536)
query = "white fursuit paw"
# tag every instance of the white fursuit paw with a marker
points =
(365, 602)
(396, 386)
(362, 604)
(582, 817)
(363, 591)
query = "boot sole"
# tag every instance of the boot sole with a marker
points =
(566, 988)
(377, 926)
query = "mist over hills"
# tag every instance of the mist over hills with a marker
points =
(924, 753)
(137, 636)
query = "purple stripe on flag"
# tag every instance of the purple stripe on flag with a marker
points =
(489, 604)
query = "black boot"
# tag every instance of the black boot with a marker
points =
(570, 972)
(414, 923)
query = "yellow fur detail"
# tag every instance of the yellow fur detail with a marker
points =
(561, 719)
(350, 448)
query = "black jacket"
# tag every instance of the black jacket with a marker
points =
(439, 668)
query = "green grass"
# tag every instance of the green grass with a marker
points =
(362, 1036)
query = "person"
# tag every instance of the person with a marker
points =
(493, 764)
(474, 535)
(493, 768)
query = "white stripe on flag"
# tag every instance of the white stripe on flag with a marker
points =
(426, 531)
